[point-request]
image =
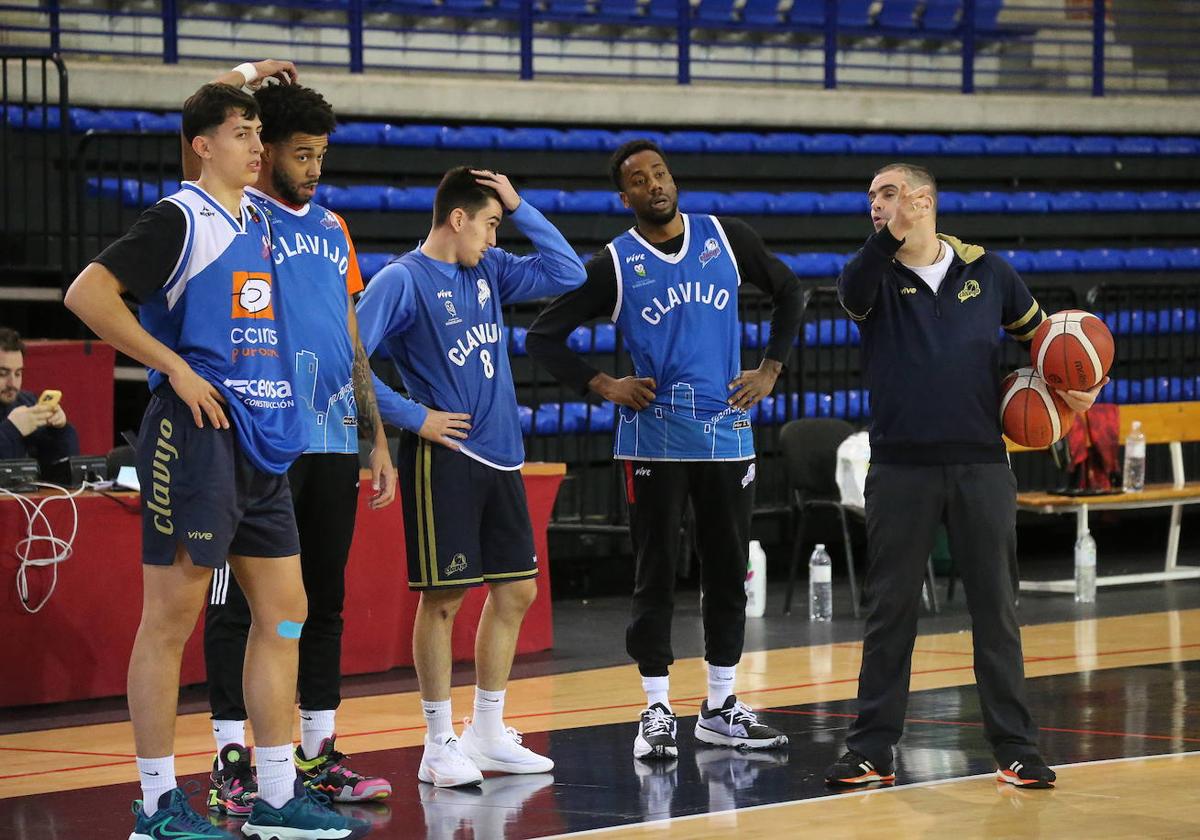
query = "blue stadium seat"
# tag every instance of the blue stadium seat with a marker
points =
(152, 123)
(949, 201)
(664, 12)
(850, 13)
(1027, 202)
(1094, 145)
(921, 144)
(353, 198)
(941, 15)
(602, 417)
(813, 264)
(1051, 144)
(717, 12)
(360, 133)
(548, 201)
(1072, 202)
(1147, 259)
(1008, 144)
(569, 8)
(130, 191)
(618, 10)
(983, 201)
(700, 201)
(465, 5)
(737, 142)
(413, 136)
(1136, 146)
(525, 139)
(965, 144)
(1184, 259)
(411, 199)
(827, 143)
(580, 339)
(567, 418)
(516, 340)
(370, 264)
(620, 137)
(761, 12)
(752, 335)
(796, 204)
(900, 15)
(1159, 201)
(1057, 259)
(837, 203)
(875, 144)
(584, 140)
(1116, 201)
(1101, 259)
(685, 141)
(105, 119)
(525, 415)
(469, 137)
(590, 201)
(1178, 146)
(1022, 261)
(780, 142)
(1189, 200)
(746, 203)
(604, 338)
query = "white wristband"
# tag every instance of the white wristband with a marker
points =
(248, 73)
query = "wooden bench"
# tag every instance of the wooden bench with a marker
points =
(1169, 423)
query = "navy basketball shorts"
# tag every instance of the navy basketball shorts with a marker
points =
(465, 523)
(200, 491)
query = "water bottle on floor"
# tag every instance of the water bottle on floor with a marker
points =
(1085, 569)
(1134, 480)
(756, 581)
(820, 585)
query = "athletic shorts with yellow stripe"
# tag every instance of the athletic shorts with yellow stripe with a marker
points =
(465, 523)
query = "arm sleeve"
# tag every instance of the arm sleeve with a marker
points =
(1022, 313)
(146, 257)
(386, 310)
(546, 341)
(763, 269)
(553, 270)
(858, 284)
(354, 280)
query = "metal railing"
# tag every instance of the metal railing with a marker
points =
(1073, 46)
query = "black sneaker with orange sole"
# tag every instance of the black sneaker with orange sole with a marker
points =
(1028, 771)
(854, 769)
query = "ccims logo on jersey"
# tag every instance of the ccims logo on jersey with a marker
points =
(252, 299)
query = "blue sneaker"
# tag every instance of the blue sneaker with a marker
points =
(174, 820)
(306, 816)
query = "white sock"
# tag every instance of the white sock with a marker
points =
(158, 777)
(720, 684)
(437, 719)
(226, 732)
(489, 713)
(656, 689)
(276, 774)
(315, 727)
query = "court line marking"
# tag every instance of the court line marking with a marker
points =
(669, 821)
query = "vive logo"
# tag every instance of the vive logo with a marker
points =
(908, 290)
(200, 535)
(643, 472)
(457, 564)
(970, 289)
(634, 258)
(445, 294)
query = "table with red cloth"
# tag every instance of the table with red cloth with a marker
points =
(78, 645)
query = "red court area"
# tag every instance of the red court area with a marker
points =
(78, 645)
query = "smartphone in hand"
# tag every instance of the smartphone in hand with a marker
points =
(49, 399)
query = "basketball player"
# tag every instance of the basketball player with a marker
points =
(315, 257)
(930, 309)
(436, 312)
(671, 285)
(217, 439)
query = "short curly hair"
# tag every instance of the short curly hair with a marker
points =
(625, 152)
(293, 109)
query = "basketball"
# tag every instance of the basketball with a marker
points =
(1031, 414)
(1072, 350)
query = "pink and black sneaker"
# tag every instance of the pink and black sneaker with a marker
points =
(232, 785)
(327, 773)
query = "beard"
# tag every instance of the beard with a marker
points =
(286, 189)
(662, 217)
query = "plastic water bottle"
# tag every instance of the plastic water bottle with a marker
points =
(820, 585)
(1085, 569)
(1134, 480)
(756, 581)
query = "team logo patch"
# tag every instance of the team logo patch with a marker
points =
(329, 222)
(252, 295)
(711, 251)
(748, 477)
(206, 211)
(457, 564)
(970, 289)
(639, 270)
(485, 291)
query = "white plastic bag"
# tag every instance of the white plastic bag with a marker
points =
(853, 458)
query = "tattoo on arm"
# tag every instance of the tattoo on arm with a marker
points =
(364, 394)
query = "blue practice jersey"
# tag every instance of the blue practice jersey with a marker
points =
(442, 326)
(314, 258)
(221, 311)
(678, 317)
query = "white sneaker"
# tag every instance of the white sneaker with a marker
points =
(445, 765)
(503, 754)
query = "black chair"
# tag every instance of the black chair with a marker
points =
(809, 449)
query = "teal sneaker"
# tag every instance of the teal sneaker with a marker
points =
(174, 820)
(306, 816)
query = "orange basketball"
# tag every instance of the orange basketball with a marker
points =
(1031, 414)
(1072, 350)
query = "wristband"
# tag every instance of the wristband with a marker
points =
(248, 73)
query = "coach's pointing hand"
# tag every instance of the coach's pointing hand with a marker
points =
(636, 392)
(445, 427)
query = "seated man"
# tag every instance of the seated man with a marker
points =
(29, 430)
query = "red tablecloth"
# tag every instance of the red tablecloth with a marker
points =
(78, 646)
(83, 371)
